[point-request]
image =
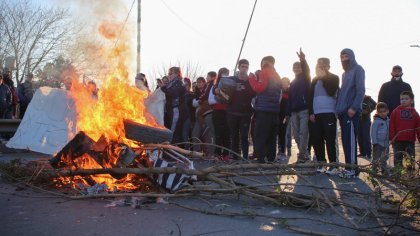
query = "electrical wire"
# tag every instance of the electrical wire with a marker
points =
(181, 19)
(125, 22)
(246, 33)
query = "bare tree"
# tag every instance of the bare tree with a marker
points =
(32, 34)
(188, 69)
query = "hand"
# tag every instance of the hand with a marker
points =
(301, 55)
(351, 112)
(252, 76)
(217, 91)
(286, 119)
(312, 118)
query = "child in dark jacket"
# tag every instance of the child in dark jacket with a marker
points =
(379, 133)
(404, 126)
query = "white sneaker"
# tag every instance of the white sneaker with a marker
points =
(331, 171)
(321, 169)
(347, 174)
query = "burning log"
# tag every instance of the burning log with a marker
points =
(82, 153)
(106, 155)
(80, 144)
(146, 134)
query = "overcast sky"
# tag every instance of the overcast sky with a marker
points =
(209, 33)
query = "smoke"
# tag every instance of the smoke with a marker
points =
(104, 46)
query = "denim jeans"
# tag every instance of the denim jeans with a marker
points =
(300, 131)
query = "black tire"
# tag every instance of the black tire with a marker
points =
(146, 134)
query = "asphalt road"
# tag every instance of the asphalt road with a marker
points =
(24, 211)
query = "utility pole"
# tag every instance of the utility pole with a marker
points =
(138, 34)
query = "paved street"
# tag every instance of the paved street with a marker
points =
(25, 211)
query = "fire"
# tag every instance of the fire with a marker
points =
(102, 117)
(130, 182)
(109, 29)
(117, 99)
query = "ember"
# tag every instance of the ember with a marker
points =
(84, 153)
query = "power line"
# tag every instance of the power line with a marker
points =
(125, 22)
(181, 19)
(246, 33)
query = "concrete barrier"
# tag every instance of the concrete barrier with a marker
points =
(9, 125)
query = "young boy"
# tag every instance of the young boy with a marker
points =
(404, 125)
(380, 137)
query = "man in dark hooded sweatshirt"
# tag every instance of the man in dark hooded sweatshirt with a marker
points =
(297, 107)
(391, 90)
(349, 107)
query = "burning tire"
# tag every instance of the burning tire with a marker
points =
(146, 134)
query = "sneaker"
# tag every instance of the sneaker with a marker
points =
(332, 171)
(226, 159)
(252, 156)
(301, 161)
(321, 169)
(347, 174)
(283, 157)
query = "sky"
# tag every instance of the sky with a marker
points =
(209, 34)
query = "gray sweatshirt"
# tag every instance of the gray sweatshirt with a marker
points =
(379, 131)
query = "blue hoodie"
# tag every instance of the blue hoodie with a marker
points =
(352, 85)
(299, 90)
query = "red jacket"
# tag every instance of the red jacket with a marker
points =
(404, 118)
(266, 73)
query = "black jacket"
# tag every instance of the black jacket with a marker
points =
(331, 83)
(390, 93)
(240, 103)
(5, 100)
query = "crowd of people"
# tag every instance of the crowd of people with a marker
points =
(228, 111)
(14, 100)
(219, 114)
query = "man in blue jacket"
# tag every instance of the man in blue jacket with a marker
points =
(349, 107)
(297, 107)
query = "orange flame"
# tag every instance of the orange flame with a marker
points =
(109, 29)
(117, 100)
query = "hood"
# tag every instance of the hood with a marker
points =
(377, 117)
(352, 58)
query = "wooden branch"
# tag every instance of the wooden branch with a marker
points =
(169, 170)
(267, 173)
(245, 192)
(175, 148)
(122, 171)
(309, 232)
(120, 195)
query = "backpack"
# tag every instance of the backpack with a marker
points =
(368, 105)
(227, 86)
